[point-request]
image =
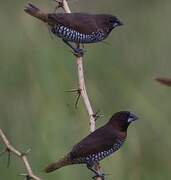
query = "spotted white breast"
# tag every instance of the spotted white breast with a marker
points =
(94, 158)
(74, 36)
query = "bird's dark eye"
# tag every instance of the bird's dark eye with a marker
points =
(112, 21)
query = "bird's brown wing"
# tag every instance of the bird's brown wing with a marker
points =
(81, 22)
(100, 140)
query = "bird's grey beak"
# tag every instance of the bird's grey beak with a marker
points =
(132, 117)
(117, 23)
(120, 23)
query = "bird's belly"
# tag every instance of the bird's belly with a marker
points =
(94, 158)
(77, 37)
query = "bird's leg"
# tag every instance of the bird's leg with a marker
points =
(77, 51)
(67, 43)
(90, 167)
(50, 32)
(97, 174)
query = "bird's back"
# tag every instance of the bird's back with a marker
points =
(81, 22)
(100, 140)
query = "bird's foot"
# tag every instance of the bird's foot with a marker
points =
(102, 176)
(78, 52)
(97, 174)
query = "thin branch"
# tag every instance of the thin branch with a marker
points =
(66, 6)
(84, 94)
(82, 88)
(23, 156)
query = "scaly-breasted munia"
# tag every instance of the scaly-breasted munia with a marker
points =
(99, 144)
(77, 27)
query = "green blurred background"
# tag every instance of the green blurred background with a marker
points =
(36, 70)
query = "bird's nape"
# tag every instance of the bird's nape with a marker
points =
(121, 120)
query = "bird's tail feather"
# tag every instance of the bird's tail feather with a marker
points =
(36, 12)
(56, 165)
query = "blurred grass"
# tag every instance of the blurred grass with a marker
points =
(35, 71)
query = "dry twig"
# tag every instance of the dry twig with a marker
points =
(23, 156)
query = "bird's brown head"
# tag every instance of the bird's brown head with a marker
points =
(121, 120)
(111, 22)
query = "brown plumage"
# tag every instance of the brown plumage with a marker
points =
(77, 27)
(164, 81)
(60, 163)
(36, 12)
(99, 144)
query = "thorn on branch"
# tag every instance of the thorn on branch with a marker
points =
(60, 5)
(77, 100)
(9, 157)
(97, 115)
(7, 150)
(25, 153)
(78, 92)
(28, 150)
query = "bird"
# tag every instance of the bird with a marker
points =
(164, 81)
(80, 28)
(101, 143)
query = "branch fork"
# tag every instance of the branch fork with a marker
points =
(23, 156)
